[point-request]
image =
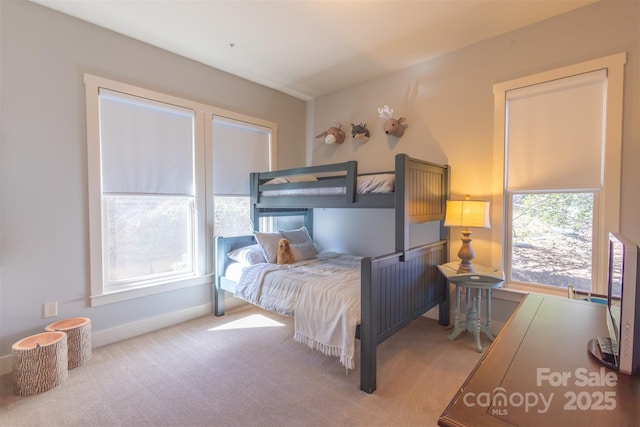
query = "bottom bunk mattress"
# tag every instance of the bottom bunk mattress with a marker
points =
(323, 296)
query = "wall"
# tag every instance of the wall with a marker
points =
(448, 102)
(44, 222)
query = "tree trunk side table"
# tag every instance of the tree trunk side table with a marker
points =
(39, 363)
(78, 330)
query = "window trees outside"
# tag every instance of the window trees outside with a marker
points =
(552, 239)
(148, 237)
(239, 148)
(558, 135)
(231, 215)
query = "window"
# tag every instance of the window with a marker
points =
(150, 161)
(147, 238)
(552, 238)
(148, 187)
(239, 148)
(559, 138)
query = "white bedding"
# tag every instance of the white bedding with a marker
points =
(323, 295)
(234, 271)
(366, 184)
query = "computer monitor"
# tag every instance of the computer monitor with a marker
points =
(623, 307)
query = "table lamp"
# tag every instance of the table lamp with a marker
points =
(467, 213)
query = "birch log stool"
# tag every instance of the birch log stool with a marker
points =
(78, 330)
(39, 363)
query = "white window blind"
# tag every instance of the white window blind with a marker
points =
(555, 133)
(147, 146)
(239, 148)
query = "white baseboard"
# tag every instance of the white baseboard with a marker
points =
(130, 330)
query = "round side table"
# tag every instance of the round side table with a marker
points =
(481, 281)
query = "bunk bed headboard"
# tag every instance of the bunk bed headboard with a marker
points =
(421, 191)
(257, 213)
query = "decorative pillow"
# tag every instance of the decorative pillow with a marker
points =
(278, 180)
(251, 254)
(299, 235)
(380, 183)
(292, 178)
(269, 244)
(302, 178)
(303, 251)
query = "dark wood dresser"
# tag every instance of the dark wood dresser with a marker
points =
(538, 372)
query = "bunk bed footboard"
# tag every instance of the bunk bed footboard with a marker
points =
(397, 289)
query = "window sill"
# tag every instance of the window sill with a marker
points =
(515, 292)
(131, 293)
(508, 294)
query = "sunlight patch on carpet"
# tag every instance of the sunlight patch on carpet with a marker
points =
(252, 321)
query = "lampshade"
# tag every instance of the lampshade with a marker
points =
(467, 213)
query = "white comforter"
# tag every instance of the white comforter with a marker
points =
(323, 295)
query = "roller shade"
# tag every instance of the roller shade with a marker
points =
(555, 133)
(239, 148)
(146, 146)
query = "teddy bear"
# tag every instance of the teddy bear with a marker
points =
(284, 255)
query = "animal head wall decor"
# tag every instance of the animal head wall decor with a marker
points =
(360, 132)
(333, 135)
(392, 126)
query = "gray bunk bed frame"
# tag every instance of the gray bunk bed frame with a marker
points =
(396, 288)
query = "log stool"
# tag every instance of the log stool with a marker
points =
(39, 363)
(78, 330)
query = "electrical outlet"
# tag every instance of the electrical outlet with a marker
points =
(50, 309)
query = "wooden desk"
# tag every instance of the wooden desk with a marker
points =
(546, 339)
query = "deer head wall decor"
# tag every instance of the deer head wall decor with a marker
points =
(392, 126)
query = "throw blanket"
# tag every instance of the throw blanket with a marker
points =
(323, 295)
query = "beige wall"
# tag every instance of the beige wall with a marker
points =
(44, 212)
(448, 103)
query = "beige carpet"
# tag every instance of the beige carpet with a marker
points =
(244, 369)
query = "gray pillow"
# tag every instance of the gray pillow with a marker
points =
(303, 251)
(269, 244)
(299, 235)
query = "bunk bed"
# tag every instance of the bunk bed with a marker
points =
(395, 288)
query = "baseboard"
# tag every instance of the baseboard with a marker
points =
(130, 330)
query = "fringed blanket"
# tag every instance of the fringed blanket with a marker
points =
(323, 295)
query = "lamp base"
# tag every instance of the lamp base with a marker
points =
(466, 254)
(465, 267)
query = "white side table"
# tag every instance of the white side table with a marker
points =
(482, 279)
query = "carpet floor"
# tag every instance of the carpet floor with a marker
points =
(244, 369)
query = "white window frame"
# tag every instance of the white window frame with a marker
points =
(203, 205)
(606, 215)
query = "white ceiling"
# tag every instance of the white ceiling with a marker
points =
(310, 48)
